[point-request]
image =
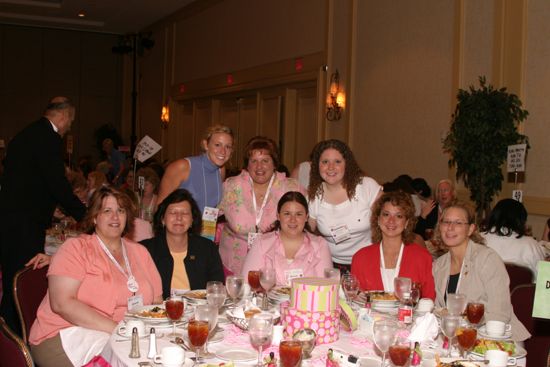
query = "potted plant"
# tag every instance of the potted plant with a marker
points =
(484, 123)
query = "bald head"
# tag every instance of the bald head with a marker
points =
(61, 112)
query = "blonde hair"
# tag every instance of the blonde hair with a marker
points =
(470, 216)
(218, 129)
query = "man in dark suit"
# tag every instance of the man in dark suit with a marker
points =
(33, 184)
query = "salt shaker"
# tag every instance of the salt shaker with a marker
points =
(152, 344)
(134, 352)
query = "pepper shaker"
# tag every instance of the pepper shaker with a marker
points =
(134, 352)
(152, 344)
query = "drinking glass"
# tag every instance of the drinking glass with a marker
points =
(475, 312)
(254, 281)
(402, 285)
(208, 313)
(290, 352)
(350, 285)
(268, 279)
(400, 352)
(449, 325)
(332, 273)
(174, 311)
(260, 330)
(234, 285)
(466, 336)
(384, 335)
(198, 334)
(456, 303)
(215, 294)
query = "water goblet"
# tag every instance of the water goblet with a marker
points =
(260, 330)
(268, 279)
(215, 294)
(208, 313)
(384, 335)
(449, 325)
(350, 285)
(401, 286)
(234, 285)
(198, 334)
(174, 310)
(456, 303)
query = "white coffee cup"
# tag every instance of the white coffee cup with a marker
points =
(496, 328)
(425, 305)
(171, 357)
(127, 328)
(499, 358)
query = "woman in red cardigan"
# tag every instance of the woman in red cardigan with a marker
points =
(393, 254)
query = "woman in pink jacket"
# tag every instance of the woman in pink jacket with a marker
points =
(290, 249)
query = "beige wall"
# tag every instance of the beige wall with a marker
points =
(37, 64)
(401, 64)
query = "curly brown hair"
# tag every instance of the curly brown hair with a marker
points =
(96, 202)
(470, 216)
(352, 175)
(401, 200)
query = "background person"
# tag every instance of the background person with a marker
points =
(250, 201)
(33, 183)
(185, 259)
(340, 200)
(91, 279)
(445, 194)
(473, 269)
(393, 253)
(149, 199)
(290, 249)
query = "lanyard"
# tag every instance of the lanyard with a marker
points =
(132, 283)
(204, 184)
(261, 212)
(397, 266)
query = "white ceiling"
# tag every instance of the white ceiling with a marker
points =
(106, 16)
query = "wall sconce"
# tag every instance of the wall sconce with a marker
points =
(165, 116)
(335, 99)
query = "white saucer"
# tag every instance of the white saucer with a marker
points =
(147, 332)
(483, 333)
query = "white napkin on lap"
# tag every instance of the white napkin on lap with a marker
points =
(81, 344)
(425, 328)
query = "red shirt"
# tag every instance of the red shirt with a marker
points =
(416, 263)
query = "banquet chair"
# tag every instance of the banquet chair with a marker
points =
(518, 275)
(29, 288)
(14, 351)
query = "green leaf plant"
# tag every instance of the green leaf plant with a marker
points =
(484, 123)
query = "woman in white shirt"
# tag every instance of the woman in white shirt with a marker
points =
(340, 200)
(505, 233)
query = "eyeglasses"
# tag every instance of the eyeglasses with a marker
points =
(448, 223)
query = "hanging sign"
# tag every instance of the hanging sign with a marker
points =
(146, 148)
(516, 158)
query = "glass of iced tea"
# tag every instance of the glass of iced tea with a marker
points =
(254, 280)
(474, 312)
(466, 336)
(400, 352)
(290, 352)
(174, 311)
(198, 334)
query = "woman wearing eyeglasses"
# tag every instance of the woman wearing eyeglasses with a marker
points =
(473, 269)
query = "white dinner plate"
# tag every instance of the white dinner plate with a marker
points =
(237, 354)
(147, 332)
(196, 296)
(482, 331)
(137, 312)
(520, 352)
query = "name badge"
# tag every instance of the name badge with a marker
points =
(209, 220)
(292, 274)
(252, 237)
(135, 301)
(340, 233)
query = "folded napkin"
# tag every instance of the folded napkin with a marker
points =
(81, 344)
(424, 328)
